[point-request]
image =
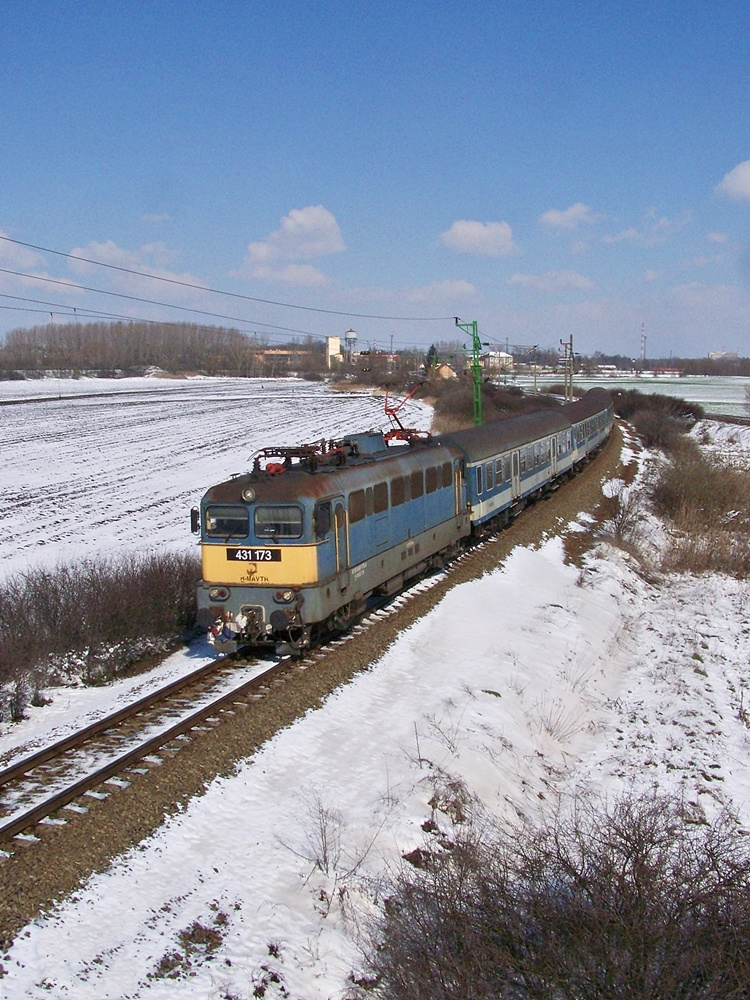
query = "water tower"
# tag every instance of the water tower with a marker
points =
(350, 345)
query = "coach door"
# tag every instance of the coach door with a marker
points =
(553, 443)
(516, 476)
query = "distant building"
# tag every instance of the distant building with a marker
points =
(497, 361)
(723, 356)
(333, 351)
(284, 357)
(444, 370)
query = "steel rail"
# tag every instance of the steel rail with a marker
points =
(28, 763)
(43, 809)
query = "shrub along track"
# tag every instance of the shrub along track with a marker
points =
(37, 875)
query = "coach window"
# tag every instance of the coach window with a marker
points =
(380, 497)
(223, 521)
(278, 521)
(506, 468)
(489, 475)
(356, 506)
(480, 479)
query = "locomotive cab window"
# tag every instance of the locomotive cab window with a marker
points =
(223, 521)
(277, 521)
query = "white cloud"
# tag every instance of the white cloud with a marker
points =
(304, 234)
(291, 274)
(569, 218)
(485, 239)
(736, 184)
(552, 281)
(16, 256)
(442, 292)
(151, 257)
(155, 217)
(654, 229)
(718, 237)
(150, 262)
(651, 275)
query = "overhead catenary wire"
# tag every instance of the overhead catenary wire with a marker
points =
(214, 291)
(66, 309)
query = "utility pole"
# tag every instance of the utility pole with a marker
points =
(470, 329)
(567, 360)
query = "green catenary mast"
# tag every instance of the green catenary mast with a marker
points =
(476, 366)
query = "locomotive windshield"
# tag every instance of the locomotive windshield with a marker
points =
(276, 521)
(223, 521)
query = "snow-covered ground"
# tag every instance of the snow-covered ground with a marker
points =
(533, 681)
(91, 467)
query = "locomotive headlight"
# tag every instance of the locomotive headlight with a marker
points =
(284, 596)
(218, 594)
(248, 494)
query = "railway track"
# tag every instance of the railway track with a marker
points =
(35, 787)
(115, 749)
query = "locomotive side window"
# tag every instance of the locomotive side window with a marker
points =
(447, 474)
(369, 502)
(398, 491)
(277, 521)
(223, 521)
(380, 497)
(322, 519)
(356, 506)
(417, 484)
(431, 479)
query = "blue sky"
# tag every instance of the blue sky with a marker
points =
(550, 168)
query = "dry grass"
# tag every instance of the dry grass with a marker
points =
(708, 505)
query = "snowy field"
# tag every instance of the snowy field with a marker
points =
(590, 678)
(92, 467)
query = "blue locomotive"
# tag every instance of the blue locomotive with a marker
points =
(303, 543)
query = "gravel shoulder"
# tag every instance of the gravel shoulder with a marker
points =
(39, 874)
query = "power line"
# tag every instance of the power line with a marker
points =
(152, 302)
(73, 312)
(218, 291)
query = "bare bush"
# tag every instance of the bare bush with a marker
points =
(707, 502)
(95, 617)
(624, 511)
(628, 902)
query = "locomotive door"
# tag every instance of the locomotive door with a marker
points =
(341, 542)
(516, 477)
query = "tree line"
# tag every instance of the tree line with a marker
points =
(136, 346)
(132, 347)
